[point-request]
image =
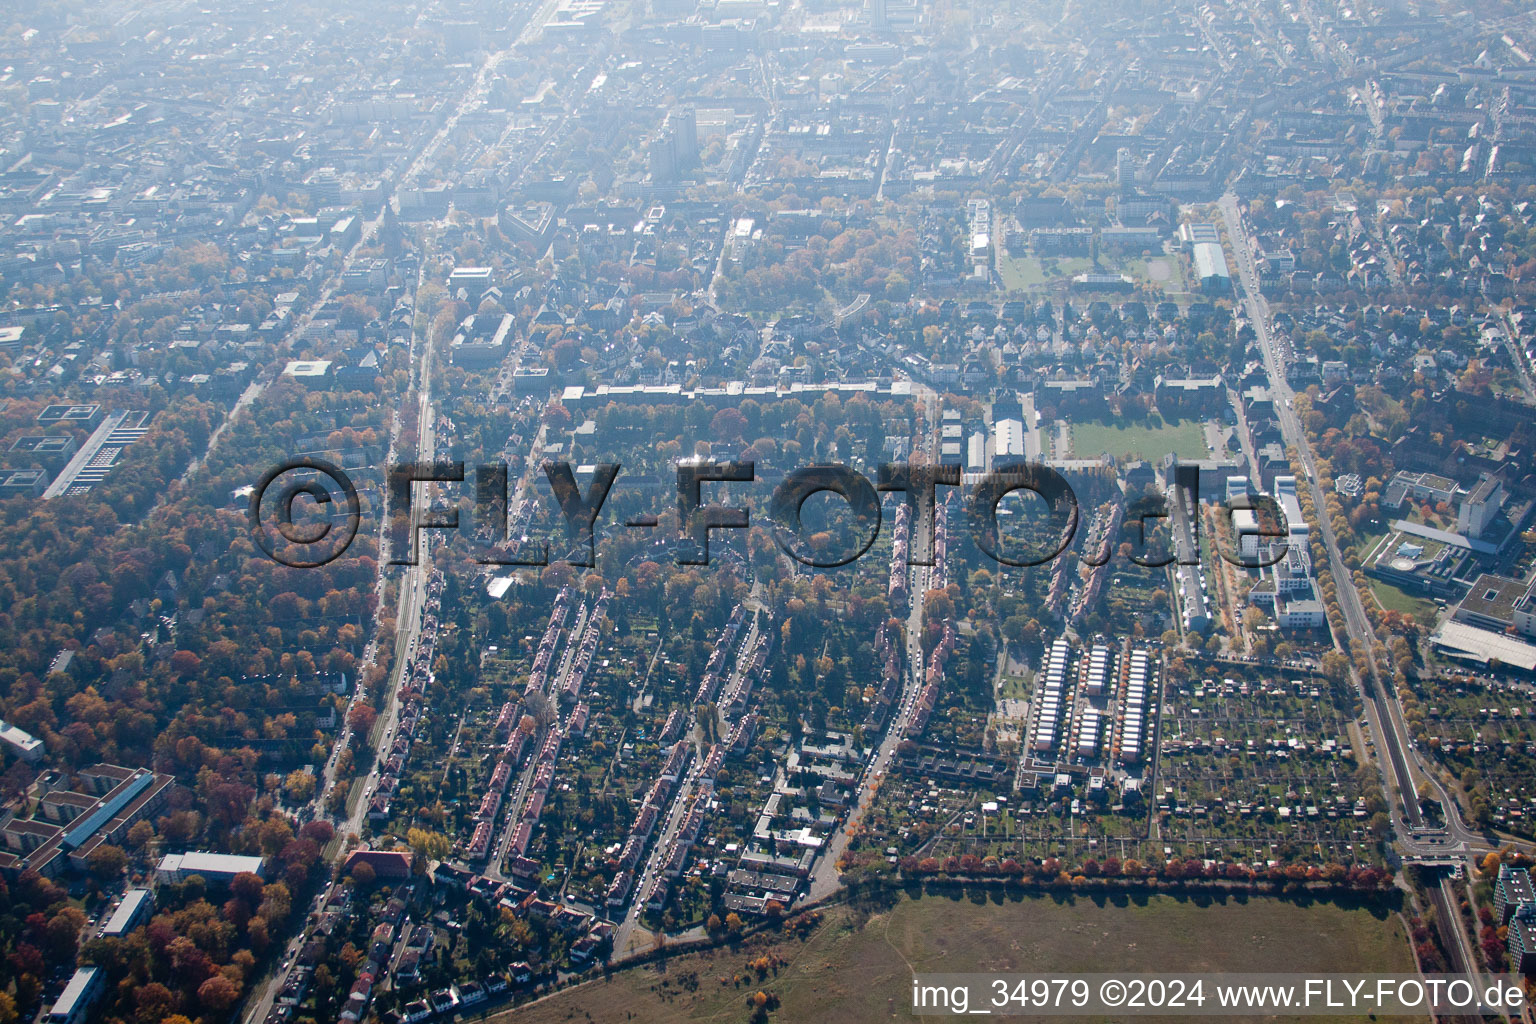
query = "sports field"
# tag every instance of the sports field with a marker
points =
(1146, 439)
(857, 966)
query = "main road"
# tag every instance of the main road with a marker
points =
(632, 937)
(414, 584)
(1382, 708)
(825, 878)
(409, 615)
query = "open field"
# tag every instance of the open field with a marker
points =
(1028, 273)
(1159, 271)
(858, 967)
(1393, 598)
(1023, 273)
(1017, 687)
(1140, 440)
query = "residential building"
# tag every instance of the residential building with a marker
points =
(214, 868)
(134, 908)
(26, 746)
(1521, 939)
(79, 997)
(1512, 888)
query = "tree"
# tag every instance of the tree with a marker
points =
(319, 831)
(429, 844)
(256, 928)
(276, 902)
(300, 785)
(361, 718)
(1020, 629)
(218, 993)
(140, 834)
(154, 1001)
(63, 932)
(107, 862)
(247, 886)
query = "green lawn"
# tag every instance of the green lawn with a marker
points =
(1396, 599)
(858, 969)
(1017, 687)
(1370, 535)
(1026, 273)
(1150, 439)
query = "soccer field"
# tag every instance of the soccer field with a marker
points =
(1139, 440)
